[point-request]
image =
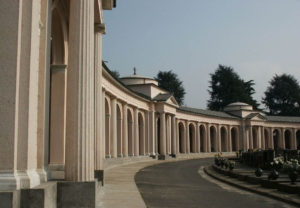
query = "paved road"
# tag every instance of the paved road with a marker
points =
(183, 184)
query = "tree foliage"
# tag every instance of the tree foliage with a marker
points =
(170, 82)
(227, 87)
(115, 74)
(282, 97)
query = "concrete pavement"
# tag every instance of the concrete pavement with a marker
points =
(120, 189)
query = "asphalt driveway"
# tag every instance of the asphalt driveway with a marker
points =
(181, 184)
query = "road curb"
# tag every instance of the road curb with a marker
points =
(278, 196)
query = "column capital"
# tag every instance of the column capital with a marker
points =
(100, 28)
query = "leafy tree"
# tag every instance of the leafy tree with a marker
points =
(282, 97)
(227, 87)
(170, 82)
(115, 74)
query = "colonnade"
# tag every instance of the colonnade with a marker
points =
(127, 129)
(195, 137)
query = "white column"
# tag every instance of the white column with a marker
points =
(208, 138)
(136, 132)
(197, 142)
(187, 138)
(282, 138)
(99, 29)
(250, 137)
(219, 144)
(271, 142)
(125, 131)
(243, 137)
(146, 139)
(263, 138)
(19, 94)
(163, 133)
(229, 139)
(259, 136)
(294, 139)
(113, 129)
(152, 134)
(103, 124)
(177, 137)
(173, 136)
(80, 93)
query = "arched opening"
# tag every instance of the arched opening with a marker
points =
(202, 138)
(213, 139)
(234, 139)
(107, 129)
(276, 137)
(141, 129)
(181, 137)
(255, 138)
(223, 139)
(287, 139)
(192, 138)
(267, 139)
(119, 131)
(58, 39)
(57, 94)
(158, 135)
(298, 139)
(130, 133)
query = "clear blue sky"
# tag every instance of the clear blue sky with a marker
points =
(258, 38)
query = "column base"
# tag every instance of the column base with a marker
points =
(42, 174)
(120, 155)
(77, 194)
(99, 176)
(18, 180)
(163, 157)
(56, 171)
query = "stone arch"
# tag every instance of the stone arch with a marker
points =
(255, 138)
(57, 90)
(130, 132)
(267, 139)
(181, 137)
(234, 138)
(213, 139)
(119, 130)
(107, 127)
(203, 136)
(141, 129)
(59, 37)
(224, 138)
(298, 139)
(276, 139)
(192, 137)
(288, 139)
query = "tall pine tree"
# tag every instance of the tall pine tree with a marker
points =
(282, 97)
(170, 82)
(227, 87)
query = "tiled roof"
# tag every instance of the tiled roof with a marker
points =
(283, 119)
(252, 115)
(162, 97)
(207, 112)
